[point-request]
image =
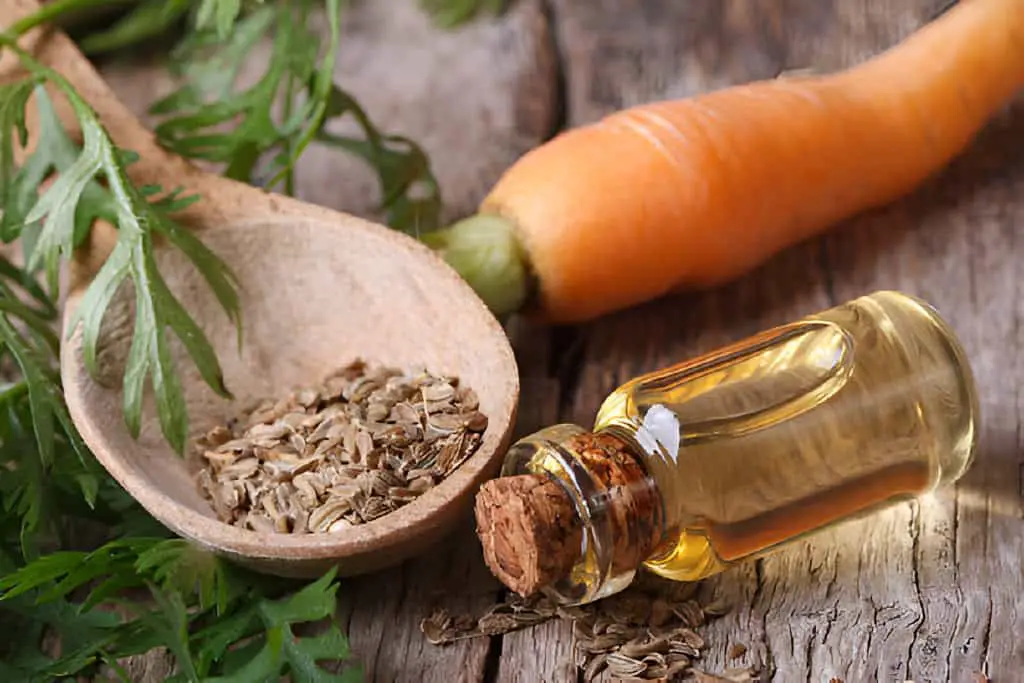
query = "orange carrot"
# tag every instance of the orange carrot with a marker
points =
(698, 191)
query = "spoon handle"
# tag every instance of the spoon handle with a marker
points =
(57, 51)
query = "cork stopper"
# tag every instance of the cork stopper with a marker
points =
(529, 530)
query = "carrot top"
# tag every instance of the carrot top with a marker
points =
(486, 252)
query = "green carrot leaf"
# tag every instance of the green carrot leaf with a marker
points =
(13, 99)
(284, 651)
(218, 621)
(411, 196)
(147, 19)
(220, 14)
(454, 13)
(66, 212)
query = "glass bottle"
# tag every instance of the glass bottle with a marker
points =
(723, 458)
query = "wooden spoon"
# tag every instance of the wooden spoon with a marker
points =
(318, 288)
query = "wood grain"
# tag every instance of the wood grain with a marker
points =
(474, 99)
(919, 593)
(411, 78)
(542, 654)
(923, 592)
(316, 289)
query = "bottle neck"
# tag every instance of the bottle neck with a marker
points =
(615, 517)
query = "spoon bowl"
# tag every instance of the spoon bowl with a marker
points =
(318, 289)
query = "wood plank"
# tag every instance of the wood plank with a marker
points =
(542, 654)
(383, 612)
(474, 99)
(922, 592)
(386, 607)
(622, 52)
(954, 244)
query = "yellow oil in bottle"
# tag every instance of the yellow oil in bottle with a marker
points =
(860, 406)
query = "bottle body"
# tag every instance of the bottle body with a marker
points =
(826, 419)
(789, 432)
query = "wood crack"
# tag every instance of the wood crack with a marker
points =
(831, 616)
(950, 649)
(986, 636)
(378, 648)
(809, 654)
(492, 662)
(755, 599)
(560, 115)
(915, 573)
(568, 354)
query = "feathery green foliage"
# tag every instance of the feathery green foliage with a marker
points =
(135, 586)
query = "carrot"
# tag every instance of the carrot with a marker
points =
(692, 193)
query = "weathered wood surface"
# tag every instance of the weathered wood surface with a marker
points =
(924, 592)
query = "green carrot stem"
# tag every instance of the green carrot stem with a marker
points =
(485, 251)
(52, 10)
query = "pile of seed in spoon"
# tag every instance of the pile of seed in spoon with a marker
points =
(365, 441)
